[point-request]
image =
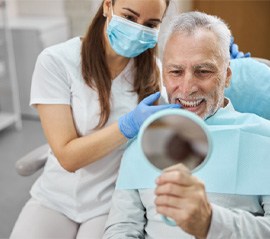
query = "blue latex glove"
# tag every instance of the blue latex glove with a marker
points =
(234, 51)
(130, 123)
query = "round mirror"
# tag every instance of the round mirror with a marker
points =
(175, 136)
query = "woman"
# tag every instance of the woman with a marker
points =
(80, 88)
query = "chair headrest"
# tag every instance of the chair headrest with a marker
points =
(250, 87)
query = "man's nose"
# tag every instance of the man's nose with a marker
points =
(188, 84)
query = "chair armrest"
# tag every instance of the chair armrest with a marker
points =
(33, 161)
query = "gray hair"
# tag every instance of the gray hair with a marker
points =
(191, 22)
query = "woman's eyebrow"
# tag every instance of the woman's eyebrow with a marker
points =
(132, 11)
(154, 20)
(138, 15)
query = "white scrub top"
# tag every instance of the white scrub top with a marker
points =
(57, 79)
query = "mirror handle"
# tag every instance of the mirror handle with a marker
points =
(169, 221)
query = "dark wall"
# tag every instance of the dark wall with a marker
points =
(249, 21)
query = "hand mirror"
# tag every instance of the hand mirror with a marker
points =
(175, 136)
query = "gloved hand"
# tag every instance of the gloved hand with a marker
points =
(130, 123)
(234, 51)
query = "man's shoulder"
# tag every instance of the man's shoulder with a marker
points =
(250, 117)
(228, 116)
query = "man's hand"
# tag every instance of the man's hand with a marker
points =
(182, 197)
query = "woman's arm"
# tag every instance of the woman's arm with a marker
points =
(71, 150)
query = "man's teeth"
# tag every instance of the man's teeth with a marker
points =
(193, 103)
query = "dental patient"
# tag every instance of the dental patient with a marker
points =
(217, 203)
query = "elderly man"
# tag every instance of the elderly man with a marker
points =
(196, 70)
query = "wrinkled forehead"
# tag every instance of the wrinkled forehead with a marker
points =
(200, 45)
(200, 39)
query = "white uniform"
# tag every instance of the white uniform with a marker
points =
(57, 79)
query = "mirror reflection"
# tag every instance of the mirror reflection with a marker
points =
(173, 139)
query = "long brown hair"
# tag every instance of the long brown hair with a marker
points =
(95, 70)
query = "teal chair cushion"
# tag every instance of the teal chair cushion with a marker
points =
(250, 87)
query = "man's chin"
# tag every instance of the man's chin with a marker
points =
(207, 115)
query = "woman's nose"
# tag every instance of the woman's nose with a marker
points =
(140, 21)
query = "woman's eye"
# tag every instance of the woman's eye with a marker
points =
(151, 25)
(130, 18)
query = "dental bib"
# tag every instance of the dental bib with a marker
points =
(239, 163)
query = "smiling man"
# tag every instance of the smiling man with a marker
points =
(196, 68)
(196, 71)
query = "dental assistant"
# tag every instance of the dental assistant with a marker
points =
(86, 91)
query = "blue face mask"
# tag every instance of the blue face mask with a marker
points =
(130, 39)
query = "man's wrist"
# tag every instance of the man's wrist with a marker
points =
(207, 223)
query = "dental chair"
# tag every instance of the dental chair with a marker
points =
(249, 92)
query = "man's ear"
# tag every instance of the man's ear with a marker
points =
(228, 76)
(106, 7)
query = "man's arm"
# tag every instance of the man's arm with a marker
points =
(127, 216)
(236, 223)
(181, 197)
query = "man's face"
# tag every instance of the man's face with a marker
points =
(194, 73)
